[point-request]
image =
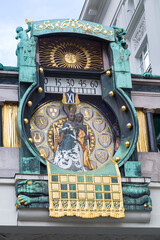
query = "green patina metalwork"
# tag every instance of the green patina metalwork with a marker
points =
(8, 68)
(34, 194)
(29, 157)
(72, 26)
(136, 196)
(146, 75)
(119, 82)
(27, 74)
(121, 66)
(121, 55)
(27, 153)
(120, 98)
(25, 49)
(132, 169)
(26, 61)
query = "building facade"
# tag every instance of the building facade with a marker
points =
(140, 20)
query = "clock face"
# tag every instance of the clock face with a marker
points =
(80, 86)
(92, 135)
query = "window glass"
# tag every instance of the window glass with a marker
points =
(141, 64)
(144, 60)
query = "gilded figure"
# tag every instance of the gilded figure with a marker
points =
(71, 153)
(83, 138)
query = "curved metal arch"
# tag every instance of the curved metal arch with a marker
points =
(44, 27)
(26, 112)
(115, 102)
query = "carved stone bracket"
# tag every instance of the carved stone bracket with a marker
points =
(34, 194)
(139, 32)
(136, 196)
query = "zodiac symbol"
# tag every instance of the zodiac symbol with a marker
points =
(37, 138)
(101, 155)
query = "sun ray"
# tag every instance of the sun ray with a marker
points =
(70, 53)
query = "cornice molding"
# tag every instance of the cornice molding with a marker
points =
(12, 74)
(146, 100)
(151, 82)
(145, 94)
(8, 86)
(8, 93)
(100, 8)
(135, 19)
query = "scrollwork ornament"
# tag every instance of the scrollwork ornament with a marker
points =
(76, 24)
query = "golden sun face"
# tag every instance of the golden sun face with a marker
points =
(69, 53)
(70, 58)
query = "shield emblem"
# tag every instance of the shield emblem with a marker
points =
(38, 137)
(104, 139)
(101, 155)
(53, 111)
(99, 124)
(87, 113)
(41, 122)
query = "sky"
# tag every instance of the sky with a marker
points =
(14, 12)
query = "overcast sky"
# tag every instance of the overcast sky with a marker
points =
(14, 12)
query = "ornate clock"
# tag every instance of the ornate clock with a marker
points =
(75, 117)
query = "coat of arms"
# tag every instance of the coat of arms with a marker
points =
(99, 124)
(53, 111)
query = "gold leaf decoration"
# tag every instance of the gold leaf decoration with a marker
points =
(70, 53)
(75, 24)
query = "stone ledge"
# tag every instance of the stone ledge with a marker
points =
(29, 216)
(8, 73)
(45, 177)
(145, 99)
(9, 161)
(146, 81)
(8, 93)
(135, 179)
